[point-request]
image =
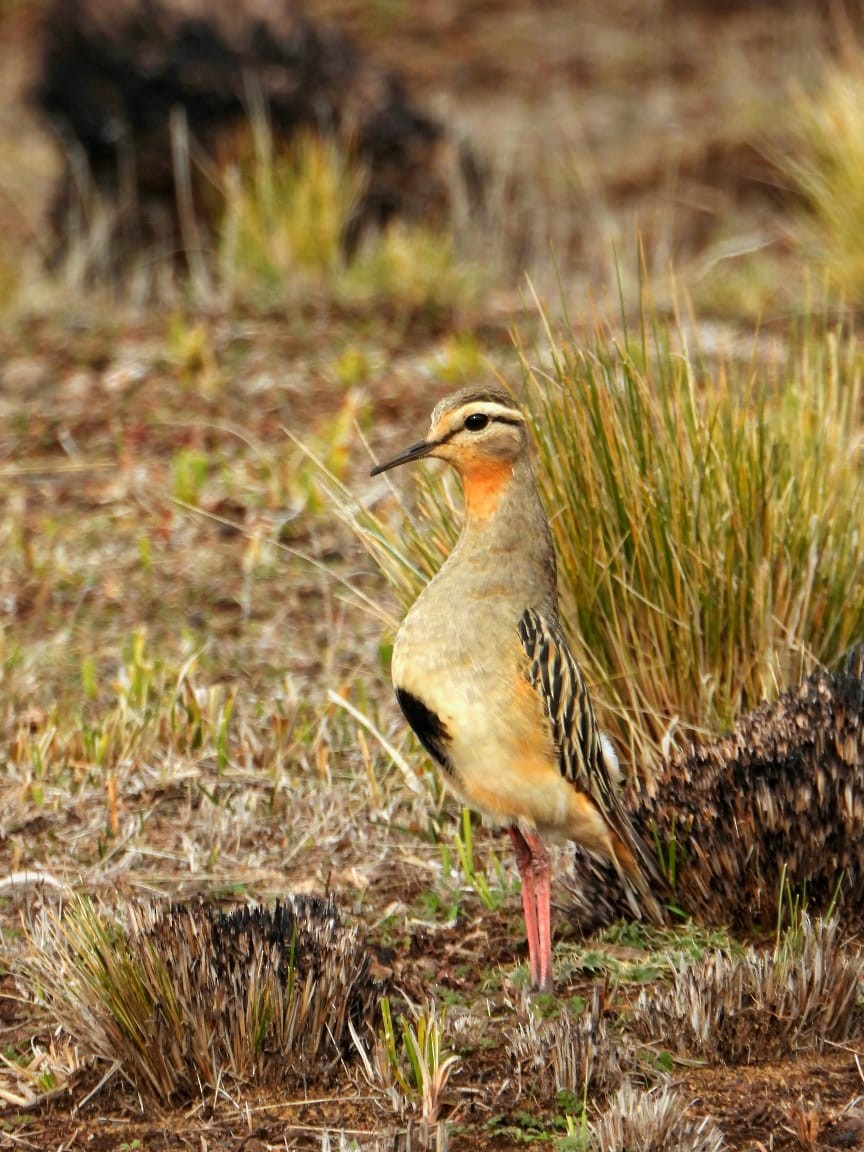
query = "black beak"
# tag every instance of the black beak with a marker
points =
(415, 452)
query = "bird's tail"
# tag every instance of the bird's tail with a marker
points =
(636, 870)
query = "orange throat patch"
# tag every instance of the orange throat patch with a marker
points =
(483, 485)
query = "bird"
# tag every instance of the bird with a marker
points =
(483, 673)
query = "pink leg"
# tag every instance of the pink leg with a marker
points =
(534, 865)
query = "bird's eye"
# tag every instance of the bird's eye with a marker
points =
(476, 422)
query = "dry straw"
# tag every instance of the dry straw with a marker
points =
(655, 1121)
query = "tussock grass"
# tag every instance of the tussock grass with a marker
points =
(285, 228)
(286, 215)
(654, 1121)
(758, 1006)
(826, 167)
(571, 1055)
(702, 522)
(183, 997)
(705, 521)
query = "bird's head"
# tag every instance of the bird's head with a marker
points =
(480, 431)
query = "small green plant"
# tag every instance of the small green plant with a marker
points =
(189, 471)
(191, 355)
(522, 1126)
(793, 926)
(437, 905)
(464, 839)
(416, 1059)
(577, 1130)
(670, 853)
(352, 367)
(636, 953)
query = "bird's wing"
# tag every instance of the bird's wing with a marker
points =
(584, 755)
(556, 677)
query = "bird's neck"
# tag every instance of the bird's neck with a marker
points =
(506, 528)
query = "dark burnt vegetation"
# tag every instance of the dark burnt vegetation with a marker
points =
(186, 997)
(155, 102)
(775, 807)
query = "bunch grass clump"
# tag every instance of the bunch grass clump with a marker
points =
(826, 168)
(292, 225)
(653, 1121)
(704, 523)
(759, 1006)
(183, 997)
(286, 215)
(571, 1055)
(705, 520)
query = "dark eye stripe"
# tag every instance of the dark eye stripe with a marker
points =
(514, 422)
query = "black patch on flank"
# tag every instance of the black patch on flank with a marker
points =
(428, 727)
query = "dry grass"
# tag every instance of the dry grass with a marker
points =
(755, 1007)
(699, 517)
(655, 1121)
(182, 999)
(283, 233)
(824, 167)
(578, 1055)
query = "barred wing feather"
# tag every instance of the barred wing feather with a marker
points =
(554, 673)
(584, 755)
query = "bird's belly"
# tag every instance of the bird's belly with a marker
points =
(500, 759)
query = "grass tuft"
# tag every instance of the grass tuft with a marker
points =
(285, 228)
(701, 523)
(286, 216)
(570, 1055)
(653, 1121)
(826, 166)
(185, 997)
(758, 1006)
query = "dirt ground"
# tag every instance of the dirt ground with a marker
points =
(634, 113)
